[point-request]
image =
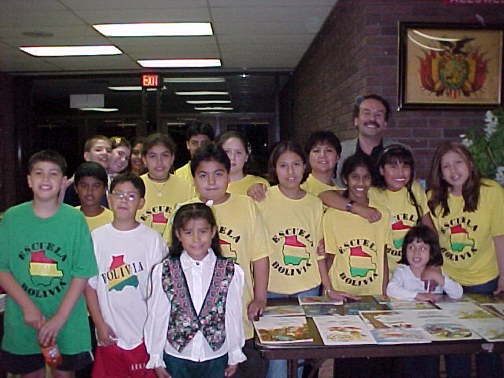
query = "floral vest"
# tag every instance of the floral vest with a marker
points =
(184, 322)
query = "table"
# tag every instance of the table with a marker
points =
(318, 351)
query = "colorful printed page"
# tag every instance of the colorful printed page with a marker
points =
(322, 310)
(483, 298)
(276, 330)
(440, 325)
(381, 299)
(343, 330)
(385, 319)
(400, 336)
(316, 300)
(354, 308)
(290, 310)
(466, 311)
(395, 304)
(496, 308)
(490, 329)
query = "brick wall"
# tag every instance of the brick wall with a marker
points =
(355, 53)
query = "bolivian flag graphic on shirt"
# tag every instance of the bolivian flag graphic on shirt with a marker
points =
(227, 250)
(399, 230)
(293, 251)
(360, 262)
(121, 274)
(159, 218)
(43, 269)
(459, 238)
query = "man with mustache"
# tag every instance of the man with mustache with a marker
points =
(371, 113)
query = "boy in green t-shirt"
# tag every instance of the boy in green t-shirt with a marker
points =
(45, 261)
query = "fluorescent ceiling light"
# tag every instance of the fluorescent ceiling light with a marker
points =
(179, 63)
(210, 108)
(201, 102)
(155, 29)
(202, 93)
(71, 50)
(194, 80)
(99, 109)
(130, 88)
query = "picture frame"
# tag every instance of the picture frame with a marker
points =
(449, 66)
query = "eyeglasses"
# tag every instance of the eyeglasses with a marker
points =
(130, 197)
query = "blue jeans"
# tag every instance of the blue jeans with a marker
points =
(278, 368)
(488, 365)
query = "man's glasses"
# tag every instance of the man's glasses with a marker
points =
(130, 197)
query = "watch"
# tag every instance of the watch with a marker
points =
(349, 205)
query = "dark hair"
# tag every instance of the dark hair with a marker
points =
(359, 99)
(398, 153)
(323, 137)
(197, 128)
(351, 164)
(427, 236)
(137, 140)
(137, 182)
(224, 137)
(440, 188)
(189, 212)
(209, 152)
(119, 141)
(158, 138)
(88, 145)
(48, 156)
(91, 169)
(279, 149)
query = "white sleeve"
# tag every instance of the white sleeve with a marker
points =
(396, 287)
(93, 282)
(156, 325)
(452, 288)
(235, 337)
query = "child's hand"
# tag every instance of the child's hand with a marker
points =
(230, 370)
(341, 296)
(434, 275)
(321, 248)
(256, 308)
(370, 213)
(105, 335)
(162, 373)
(257, 192)
(49, 330)
(427, 297)
(33, 317)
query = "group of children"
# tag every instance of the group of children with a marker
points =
(183, 264)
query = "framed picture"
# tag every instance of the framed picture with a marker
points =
(449, 66)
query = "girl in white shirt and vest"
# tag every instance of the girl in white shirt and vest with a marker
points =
(194, 326)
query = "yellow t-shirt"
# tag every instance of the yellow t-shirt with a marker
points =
(185, 172)
(467, 238)
(359, 249)
(242, 238)
(403, 216)
(102, 219)
(315, 187)
(293, 231)
(160, 200)
(241, 186)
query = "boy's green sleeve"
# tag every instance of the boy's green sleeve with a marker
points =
(83, 257)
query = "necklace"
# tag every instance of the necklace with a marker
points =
(159, 191)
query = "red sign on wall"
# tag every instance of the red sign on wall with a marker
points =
(149, 81)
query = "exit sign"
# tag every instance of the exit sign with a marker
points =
(149, 81)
